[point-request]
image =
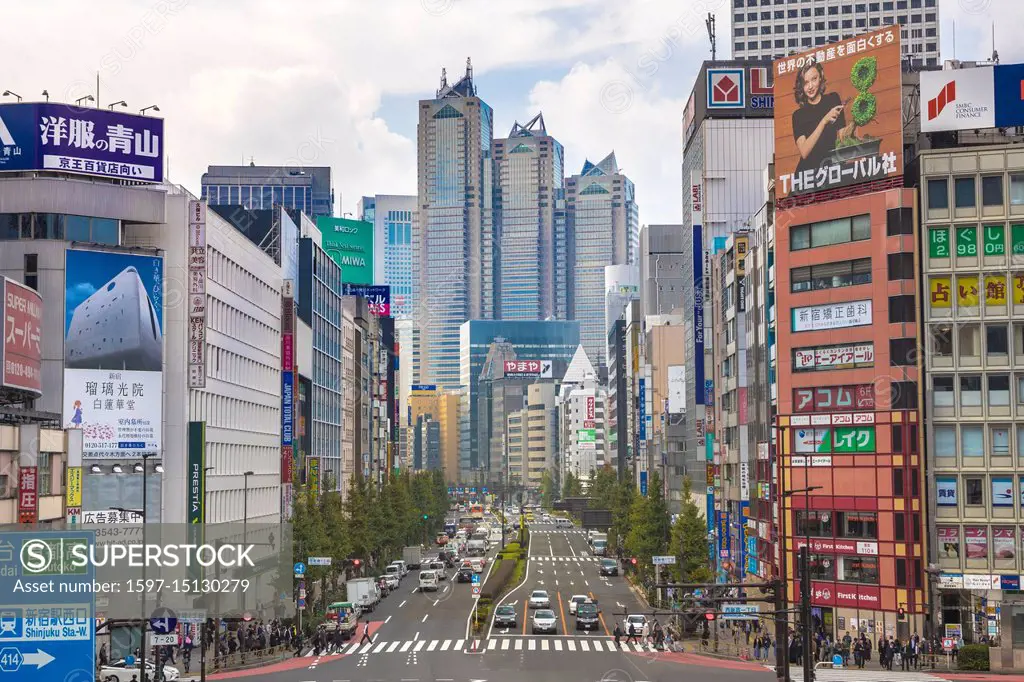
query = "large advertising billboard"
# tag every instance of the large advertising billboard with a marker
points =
(85, 141)
(20, 353)
(349, 243)
(378, 297)
(838, 119)
(113, 351)
(969, 99)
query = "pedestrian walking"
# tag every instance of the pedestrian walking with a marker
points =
(632, 633)
(618, 634)
(366, 634)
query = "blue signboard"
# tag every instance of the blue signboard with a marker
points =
(643, 411)
(945, 492)
(643, 483)
(287, 407)
(86, 141)
(378, 296)
(1009, 582)
(54, 629)
(300, 568)
(1009, 95)
(423, 387)
(698, 311)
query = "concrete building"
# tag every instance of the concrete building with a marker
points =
(529, 179)
(305, 189)
(456, 223)
(621, 286)
(443, 408)
(732, 460)
(582, 408)
(394, 261)
(763, 32)
(973, 295)
(848, 419)
(427, 440)
(604, 230)
(538, 340)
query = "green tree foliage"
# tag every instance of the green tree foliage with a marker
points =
(547, 490)
(648, 529)
(689, 542)
(572, 487)
(602, 489)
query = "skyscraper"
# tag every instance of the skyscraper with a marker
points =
(262, 187)
(603, 230)
(791, 26)
(456, 235)
(529, 167)
(393, 217)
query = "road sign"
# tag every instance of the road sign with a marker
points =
(300, 568)
(740, 611)
(163, 620)
(58, 640)
(475, 580)
(663, 560)
(302, 603)
(193, 617)
(319, 561)
(163, 640)
(947, 644)
(476, 591)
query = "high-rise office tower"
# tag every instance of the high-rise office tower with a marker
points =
(263, 187)
(604, 229)
(529, 167)
(793, 26)
(456, 225)
(393, 217)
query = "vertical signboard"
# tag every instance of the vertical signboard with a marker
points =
(697, 220)
(591, 411)
(642, 397)
(28, 473)
(287, 380)
(196, 294)
(113, 352)
(349, 243)
(838, 114)
(73, 485)
(313, 479)
(196, 489)
(20, 353)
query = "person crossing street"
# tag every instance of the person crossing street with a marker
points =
(366, 634)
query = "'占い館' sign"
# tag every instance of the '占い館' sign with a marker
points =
(838, 114)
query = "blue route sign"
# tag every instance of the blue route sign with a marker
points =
(300, 568)
(475, 579)
(45, 635)
(163, 621)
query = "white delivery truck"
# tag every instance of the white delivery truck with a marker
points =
(412, 556)
(364, 593)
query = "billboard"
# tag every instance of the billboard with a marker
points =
(378, 297)
(195, 489)
(527, 369)
(84, 141)
(196, 294)
(113, 351)
(833, 357)
(20, 354)
(832, 316)
(838, 119)
(349, 243)
(969, 99)
(676, 389)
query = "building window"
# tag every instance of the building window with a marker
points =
(822, 566)
(996, 339)
(999, 440)
(942, 392)
(992, 190)
(963, 192)
(974, 491)
(970, 391)
(972, 441)
(863, 525)
(901, 266)
(901, 309)
(838, 231)
(899, 221)
(969, 338)
(938, 193)
(904, 395)
(814, 524)
(942, 340)
(831, 275)
(1017, 189)
(902, 352)
(860, 569)
(945, 441)
(899, 522)
(998, 390)
(31, 261)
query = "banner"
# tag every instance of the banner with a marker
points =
(834, 398)
(946, 492)
(949, 542)
(969, 99)
(378, 296)
(838, 116)
(313, 479)
(196, 488)
(940, 294)
(196, 294)
(21, 309)
(967, 291)
(832, 316)
(113, 352)
(976, 542)
(1004, 543)
(28, 494)
(697, 229)
(833, 357)
(1002, 491)
(73, 495)
(995, 290)
(349, 243)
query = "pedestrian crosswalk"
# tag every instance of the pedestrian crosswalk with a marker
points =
(592, 645)
(855, 675)
(567, 559)
(562, 531)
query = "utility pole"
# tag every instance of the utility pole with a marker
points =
(805, 610)
(710, 24)
(781, 633)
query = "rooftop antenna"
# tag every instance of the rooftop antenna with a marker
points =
(444, 78)
(710, 24)
(469, 68)
(995, 53)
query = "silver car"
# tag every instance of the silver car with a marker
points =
(544, 621)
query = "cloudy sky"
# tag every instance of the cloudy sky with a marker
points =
(335, 82)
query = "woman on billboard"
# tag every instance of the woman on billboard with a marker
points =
(819, 121)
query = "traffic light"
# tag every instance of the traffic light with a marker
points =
(632, 562)
(356, 563)
(709, 616)
(426, 516)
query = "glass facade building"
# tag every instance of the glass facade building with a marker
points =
(530, 211)
(394, 218)
(531, 340)
(455, 239)
(320, 306)
(262, 187)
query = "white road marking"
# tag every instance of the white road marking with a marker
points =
(544, 645)
(387, 619)
(531, 645)
(426, 614)
(572, 645)
(420, 644)
(380, 647)
(446, 588)
(436, 602)
(416, 636)
(406, 646)
(584, 645)
(493, 644)
(394, 645)
(519, 645)
(505, 643)
(433, 644)
(586, 583)
(445, 644)
(352, 649)
(458, 643)
(402, 604)
(558, 645)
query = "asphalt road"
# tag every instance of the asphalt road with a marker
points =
(423, 637)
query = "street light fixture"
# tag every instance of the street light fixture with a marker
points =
(46, 94)
(118, 103)
(8, 93)
(96, 469)
(117, 469)
(152, 107)
(87, 98)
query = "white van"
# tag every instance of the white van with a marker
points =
(403, 569)
(428, 581)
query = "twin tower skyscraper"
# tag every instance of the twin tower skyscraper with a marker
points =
(502, 233)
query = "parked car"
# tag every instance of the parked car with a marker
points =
(442, 539)
(544, 621)
(120, 671)
(505, 616)
(391, 580)
(539, 599)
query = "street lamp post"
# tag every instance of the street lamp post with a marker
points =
(804, 567)
(202, 630)
(245, 541)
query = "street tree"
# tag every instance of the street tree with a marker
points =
(690, 542)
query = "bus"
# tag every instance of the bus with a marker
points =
(476, 511)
